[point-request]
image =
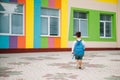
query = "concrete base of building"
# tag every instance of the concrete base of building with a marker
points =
(49, 50)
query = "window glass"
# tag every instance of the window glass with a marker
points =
(80, 23)
(108, 18)
(108, 29)
(50, 12)
(1, 7)
(17, 24)
(105, 26)
(11, 19)
(102, 17)
(105, 17)
(4, 23)
(76, 26)
(101, 29)
(83, 27)
(54, 26)
(76, 15)
(50, 22)
(80, 15)
(11, 7)
(44, 24)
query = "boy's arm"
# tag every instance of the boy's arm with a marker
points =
(73, 46)
(83, 42)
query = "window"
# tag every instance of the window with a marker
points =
(105, 26)
(11, 19)
(81, 23)
(50, 22)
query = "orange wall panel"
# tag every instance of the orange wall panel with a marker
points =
(57, 3)
(57, 42)
(21, 39)
(21, 1)
(21, 42)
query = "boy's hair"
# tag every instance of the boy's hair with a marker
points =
(78, 34)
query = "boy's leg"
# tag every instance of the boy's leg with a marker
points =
(80, 63)
(77, 63)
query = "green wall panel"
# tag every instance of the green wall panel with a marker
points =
(44, 42)
(44, 3)
(71, 26)
(93, 25)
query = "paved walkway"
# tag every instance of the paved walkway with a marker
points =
(98, 65)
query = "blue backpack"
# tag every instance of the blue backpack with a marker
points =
(79, 48)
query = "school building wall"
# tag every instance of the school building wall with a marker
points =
(94, 8)
(32, 26)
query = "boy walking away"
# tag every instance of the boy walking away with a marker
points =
(78, 49)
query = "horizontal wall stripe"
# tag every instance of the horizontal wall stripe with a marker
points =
(51, 42)
(44, 3)
(57, 3)
(109, 1)
(13, 42)
(44, 42)
(8, 51)
(29, 23)
(57, 42)
(51, 3)
(4, 41)
(37, 5)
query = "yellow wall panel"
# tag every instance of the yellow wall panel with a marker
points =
(64, 23)
(29, 23)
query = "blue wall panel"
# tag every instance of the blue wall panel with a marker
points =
(4, 41)
(37, 7)
(4, 0)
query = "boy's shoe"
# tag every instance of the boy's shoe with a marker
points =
(80, 68)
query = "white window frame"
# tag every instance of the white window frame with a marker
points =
(104, 21)
(80, 26)
(47, 16)
(10, 21)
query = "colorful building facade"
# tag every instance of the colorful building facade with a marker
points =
(40, 24)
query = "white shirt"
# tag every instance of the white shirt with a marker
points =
(78, 39)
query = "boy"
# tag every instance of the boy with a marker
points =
(78, 49)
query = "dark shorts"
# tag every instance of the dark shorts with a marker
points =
(78, 57)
